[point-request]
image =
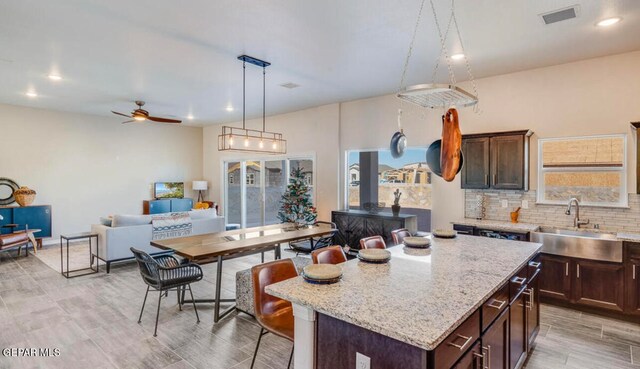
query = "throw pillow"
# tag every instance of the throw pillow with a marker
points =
(130, 220)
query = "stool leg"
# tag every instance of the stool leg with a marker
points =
(255, 353)
(194, 302)
(291, 357)
(143, 303)
(155, 331)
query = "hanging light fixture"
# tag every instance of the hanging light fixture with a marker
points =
(252, 140)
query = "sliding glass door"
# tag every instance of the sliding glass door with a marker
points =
(253, 188)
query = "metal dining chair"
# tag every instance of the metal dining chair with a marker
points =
(329, 255)
(373, 242)
(315, 243)
(164, 273)
(398, 235)
(274, 314)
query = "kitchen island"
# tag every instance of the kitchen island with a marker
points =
(427, 308)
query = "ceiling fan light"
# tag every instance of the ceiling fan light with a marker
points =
(246, 142)
(139, 118)
(261, 144)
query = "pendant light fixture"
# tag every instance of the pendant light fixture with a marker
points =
(252, 140)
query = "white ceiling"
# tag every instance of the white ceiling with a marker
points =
(180, 56)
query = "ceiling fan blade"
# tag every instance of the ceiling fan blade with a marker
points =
(124, 115)
(129, 121)
(163, 120)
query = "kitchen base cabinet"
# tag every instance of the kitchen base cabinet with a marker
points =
(633, 286)
(518, 340)
(533, 309)
(473, 359)
(599, 284)
(555, 277)
(495, 343)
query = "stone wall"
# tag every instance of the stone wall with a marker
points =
(609, 219)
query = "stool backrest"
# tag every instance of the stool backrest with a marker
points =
(328, 255)
(265, 274)
(398, 235)
(373, 242)
(148, 267)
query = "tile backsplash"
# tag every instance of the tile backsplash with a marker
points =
(609, 219)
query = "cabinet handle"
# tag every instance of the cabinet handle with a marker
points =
(496, 304)
(535, 264)
(578, 270)
(466, 342)
(566, 269)
(529, 292)
(488, 360)
(494, 179)
(519, 280)
(634, 271)
(486, 179)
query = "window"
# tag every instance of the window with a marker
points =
(591, 169)
(410, 174)
(251, 179)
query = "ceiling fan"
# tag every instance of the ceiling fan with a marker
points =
(140, 115)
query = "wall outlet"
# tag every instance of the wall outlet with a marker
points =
(525, 204)
(362, 362)
(505, 203)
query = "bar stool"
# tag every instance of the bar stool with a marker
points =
(399, 234)
(373, 242)
(274, 314)
(329, 255)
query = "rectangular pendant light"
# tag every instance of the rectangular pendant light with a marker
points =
(252, 140)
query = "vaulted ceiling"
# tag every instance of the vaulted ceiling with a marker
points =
(180, 56)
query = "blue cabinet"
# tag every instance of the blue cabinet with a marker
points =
(166, 206)
(38, 216)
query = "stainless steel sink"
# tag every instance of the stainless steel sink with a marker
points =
(579, 244)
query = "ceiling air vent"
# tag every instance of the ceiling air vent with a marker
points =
(560, 15)
(289, 85)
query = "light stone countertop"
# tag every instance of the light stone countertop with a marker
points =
(632, 237)
(421, 295)
(498, 225)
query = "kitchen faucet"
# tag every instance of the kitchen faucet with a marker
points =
(576, 219)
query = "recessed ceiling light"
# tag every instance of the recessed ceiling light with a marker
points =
(457, 56)
(229, 108)
(55, 77)
(290, 85)
(608, 22)
(190, 117)
(31, 94)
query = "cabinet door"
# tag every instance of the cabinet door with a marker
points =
(517, 330)
(178, 205)
(633, 286)
(342, 223)
(374, 227)
(555, 278)
(7, 214)
(35, 217)
(495, 343)
(159, 206)
(533, 309)
(599, 284)
(473, 359)
(475, 171)
(507, 162)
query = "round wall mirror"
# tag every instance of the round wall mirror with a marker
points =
(7, 188)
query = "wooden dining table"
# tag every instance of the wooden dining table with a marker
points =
(220, 246)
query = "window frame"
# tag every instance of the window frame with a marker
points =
(624, 196)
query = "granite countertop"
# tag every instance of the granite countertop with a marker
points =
(421, 295)
(498, 225)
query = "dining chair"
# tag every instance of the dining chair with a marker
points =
(329, 255)
(398, 235)
(274, 314)
(315, 243)
(164, 273)
(373, 242)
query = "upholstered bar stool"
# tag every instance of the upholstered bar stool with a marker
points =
(399, 234)
(329, 255)
(274, 314)
(373, 242)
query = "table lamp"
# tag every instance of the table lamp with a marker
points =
(200, 186)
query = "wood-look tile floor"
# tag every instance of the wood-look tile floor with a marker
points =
(93, 321)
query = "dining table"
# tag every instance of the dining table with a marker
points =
(220, 246)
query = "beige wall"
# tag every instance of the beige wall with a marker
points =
(88, 166)
(311, 132)
(596, 96)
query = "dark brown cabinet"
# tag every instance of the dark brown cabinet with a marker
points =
(599, 284)
(475, 171)
(555, 277)
(495, 343)
(356, 224)
(533, 309)
(472, 359)
(518, 330)
(496, 160)
(633, 286)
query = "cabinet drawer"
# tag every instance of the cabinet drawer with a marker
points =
(633, 249)
(518, 282)
(496, 304)
(458, 342)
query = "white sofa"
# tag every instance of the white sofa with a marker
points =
(136, 231)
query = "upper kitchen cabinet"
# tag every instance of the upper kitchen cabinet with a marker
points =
(497, 160)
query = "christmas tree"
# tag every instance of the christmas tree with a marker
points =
(296, 205)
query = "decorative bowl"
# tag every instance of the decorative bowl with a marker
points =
(374, 255)
(445, 233)
(418, 242)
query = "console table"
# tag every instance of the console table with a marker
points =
(19, 218)
(356, 224)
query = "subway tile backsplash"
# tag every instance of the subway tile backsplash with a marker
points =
(609, 219)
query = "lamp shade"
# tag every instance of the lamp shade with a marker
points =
(200, 185)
